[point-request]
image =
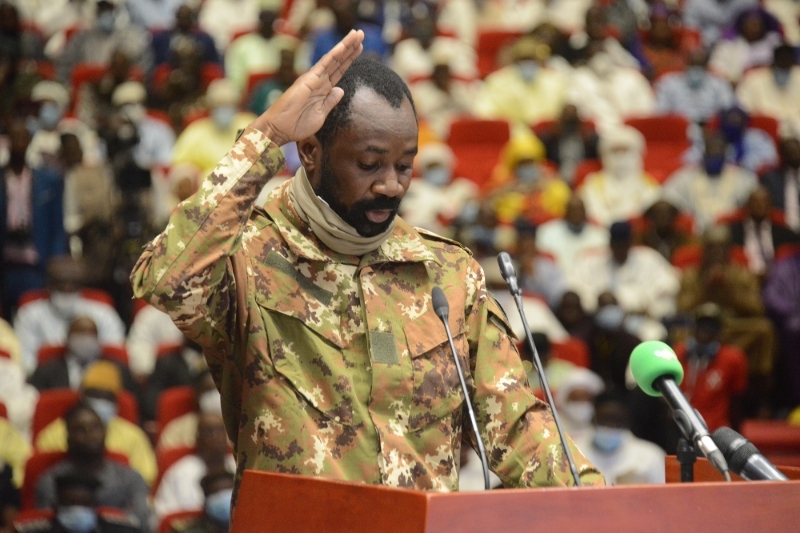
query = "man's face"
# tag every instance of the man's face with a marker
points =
(576, 212)
(612, 415)
(619, 250)
(184, 18)
(86, 434)
(790, 153)
(366, 169)
(759, 204)
(64, 275)
(76, 495)
(707, 330)
(266, 22)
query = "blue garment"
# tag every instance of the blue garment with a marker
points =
(373, 42)
(674, 94)
(162, 41)
(48, 235)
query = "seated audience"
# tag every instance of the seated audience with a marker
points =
(110, 31)
(180, 489)
(537, 273)
(694, 92)
(223, 19)
(525, 91)
(758, 234)
(82, 350)
(556, 370)
(265, 93)
(598, 35)
(639, 277)
(14, 452)
(46, 320)
(205, 141)
(346, 15)
(185, 29)
(569, 142)
(749, 147)
(154, 15)
(437, 198)
(573, 317)
(782, 300)
(622, 189)
(256, 52)
(442, 99)
(182, 431)
(574, 399)
(28, 237)
(120, 487)
(712, 188)
(784, 183)
(178, 365)
(757, 34)
(566, 239)
(712, 18)
(623, 458)
(151, 328)
(774, 90)
(715, 374)
(93, 101)
(99, 389)
(662, 45)
(737, 292)
(662, 232)
(217, 491)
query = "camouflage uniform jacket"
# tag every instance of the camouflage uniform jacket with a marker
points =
(337, 366)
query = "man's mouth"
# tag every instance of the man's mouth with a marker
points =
(377, 216)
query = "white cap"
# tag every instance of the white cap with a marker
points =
(221, 93)
(621, 137)
(130, 92)
(579, 378)
(435, 153)
(50, 90)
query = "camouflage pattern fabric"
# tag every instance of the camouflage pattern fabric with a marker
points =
(337, 366)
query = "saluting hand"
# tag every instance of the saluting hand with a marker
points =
(301, 110)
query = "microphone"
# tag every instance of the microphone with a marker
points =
(510, 276)
(442, 310)
(658, 372)
(744, 457)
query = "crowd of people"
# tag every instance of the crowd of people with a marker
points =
(114, 111)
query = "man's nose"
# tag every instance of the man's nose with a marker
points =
(389, 185)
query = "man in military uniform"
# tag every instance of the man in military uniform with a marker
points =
(76, 511)
(315, 312)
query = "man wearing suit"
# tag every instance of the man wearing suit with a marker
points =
(31, 220)
(758, 234)
(784, 183)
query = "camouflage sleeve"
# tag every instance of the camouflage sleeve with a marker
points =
(518, 430)
(186, 271)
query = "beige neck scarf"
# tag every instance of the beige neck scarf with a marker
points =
(337, 234)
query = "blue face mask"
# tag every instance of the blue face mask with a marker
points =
(437, 176)
(218, 506)
(527, 172)
(609, 317)
(781, 76)
(713, 164)
(528, 69)
(77, 518)
(703, 350)
(105, 409)
(607, 440)
(105, 22)
(223, 116)
(695, 76)
(49, 115)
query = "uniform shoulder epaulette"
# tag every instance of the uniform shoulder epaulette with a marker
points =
(431, 236)
(33, 525)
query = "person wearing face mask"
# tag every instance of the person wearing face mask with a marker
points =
(45, 319)
(710, 188)
(120, 486)
(100, 386)
(610, 343)
(695, 92)
(182, 431)
(622, 457)
(622, 189)
(217, 487)
(774, 90)
(436, 198)
(574, 399)
(443, 98)
(522, 187)
(715, 372)
(76, 510)
(566, 238)
(180, 486)
(206, 140)
(525, 91)
(110, 31)
(28, 236)
(756, 35)
(569, 141)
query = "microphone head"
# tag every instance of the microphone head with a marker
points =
(440, 305)
(652, 360)
(734, 446)
(506, 266)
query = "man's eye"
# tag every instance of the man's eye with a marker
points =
(364, 166)
(403, 168)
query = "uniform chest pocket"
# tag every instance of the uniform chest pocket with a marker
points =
(437, 392)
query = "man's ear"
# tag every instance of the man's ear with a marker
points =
(310, 152)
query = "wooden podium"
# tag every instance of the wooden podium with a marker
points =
(284, 503)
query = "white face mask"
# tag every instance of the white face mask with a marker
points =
(77, 518)
(133, 112)
(627, 164)
(65, 303)
(579, 412)
(601, 64)
(210, 402)
(223, 116)
(437, 176)
(105, 409)
(528, 69)
(85, 347)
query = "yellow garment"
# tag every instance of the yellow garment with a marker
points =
(102, 375)
(179, 433)
(794, 417)
(14, 450)
(9, 341)
(121, 437)
(524, 145)
(505, 94)
(548, 200)
(203, 145)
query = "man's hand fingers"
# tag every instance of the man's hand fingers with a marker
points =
(344, 53)
(332, 99)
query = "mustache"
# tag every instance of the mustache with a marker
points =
(379, 203)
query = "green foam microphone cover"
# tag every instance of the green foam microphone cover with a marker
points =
(651, 360)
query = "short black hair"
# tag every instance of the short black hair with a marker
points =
(79, 407)
(368, 73)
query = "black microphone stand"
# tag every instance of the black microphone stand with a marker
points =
(687, 456)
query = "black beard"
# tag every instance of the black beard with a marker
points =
(356, 214)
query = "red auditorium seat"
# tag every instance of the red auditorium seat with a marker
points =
(167, 458)
(3, 411)
(166, 524)
(759, 122)
(787, 250)
(777, 440)
(39, 463)
(691, 255)
(490, 43)
(477, 145)
(583, 169)
(50, 352)
(666, 140)
(172, 403)
(573, 350)
(89, 294)
(777, 217)
(54, 403)
(253, 80)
